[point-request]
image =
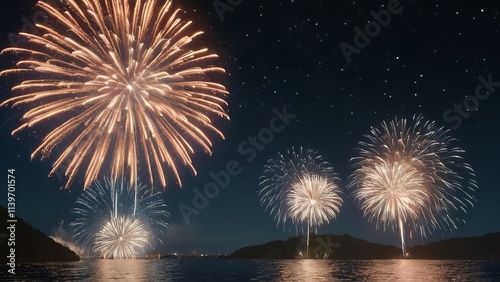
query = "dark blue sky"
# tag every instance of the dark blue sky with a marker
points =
(287, 54)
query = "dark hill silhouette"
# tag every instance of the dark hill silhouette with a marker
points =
(348, 247)
(480, 247)
(320, 246)
(31, 245)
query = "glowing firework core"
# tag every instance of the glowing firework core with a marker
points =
(121, 238)
(313, 200)
(396, 186)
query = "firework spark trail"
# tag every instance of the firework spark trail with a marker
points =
(121, 85)
(110, 217)
(121, 238)
(281, 173)
(301, 187)
(313, 200)
(410, 175)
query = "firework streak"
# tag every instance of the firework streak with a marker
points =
(410, 175)
(116, 222)
(121, 86)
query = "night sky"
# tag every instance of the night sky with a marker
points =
(287, 55)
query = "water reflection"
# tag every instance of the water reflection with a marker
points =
(304, 270)
(395, 270)
(415, 270)
(423, 270)
(379, 270)
(130, 269)
(259, 270)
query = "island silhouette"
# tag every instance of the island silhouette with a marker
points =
(32, 246)
(29, 244)
(345, 246)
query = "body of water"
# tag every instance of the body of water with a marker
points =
(208, 269)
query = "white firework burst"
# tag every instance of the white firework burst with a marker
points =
(282, 173)
(109, 213)
(411, 175)
(121, 238)
(300, 187)
(314, 200)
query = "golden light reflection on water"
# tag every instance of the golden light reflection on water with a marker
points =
(207, 269)
(409, 270)
(126, 270)
(305, 270)
(371, 270)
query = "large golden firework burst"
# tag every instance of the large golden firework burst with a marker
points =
(118, 82)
